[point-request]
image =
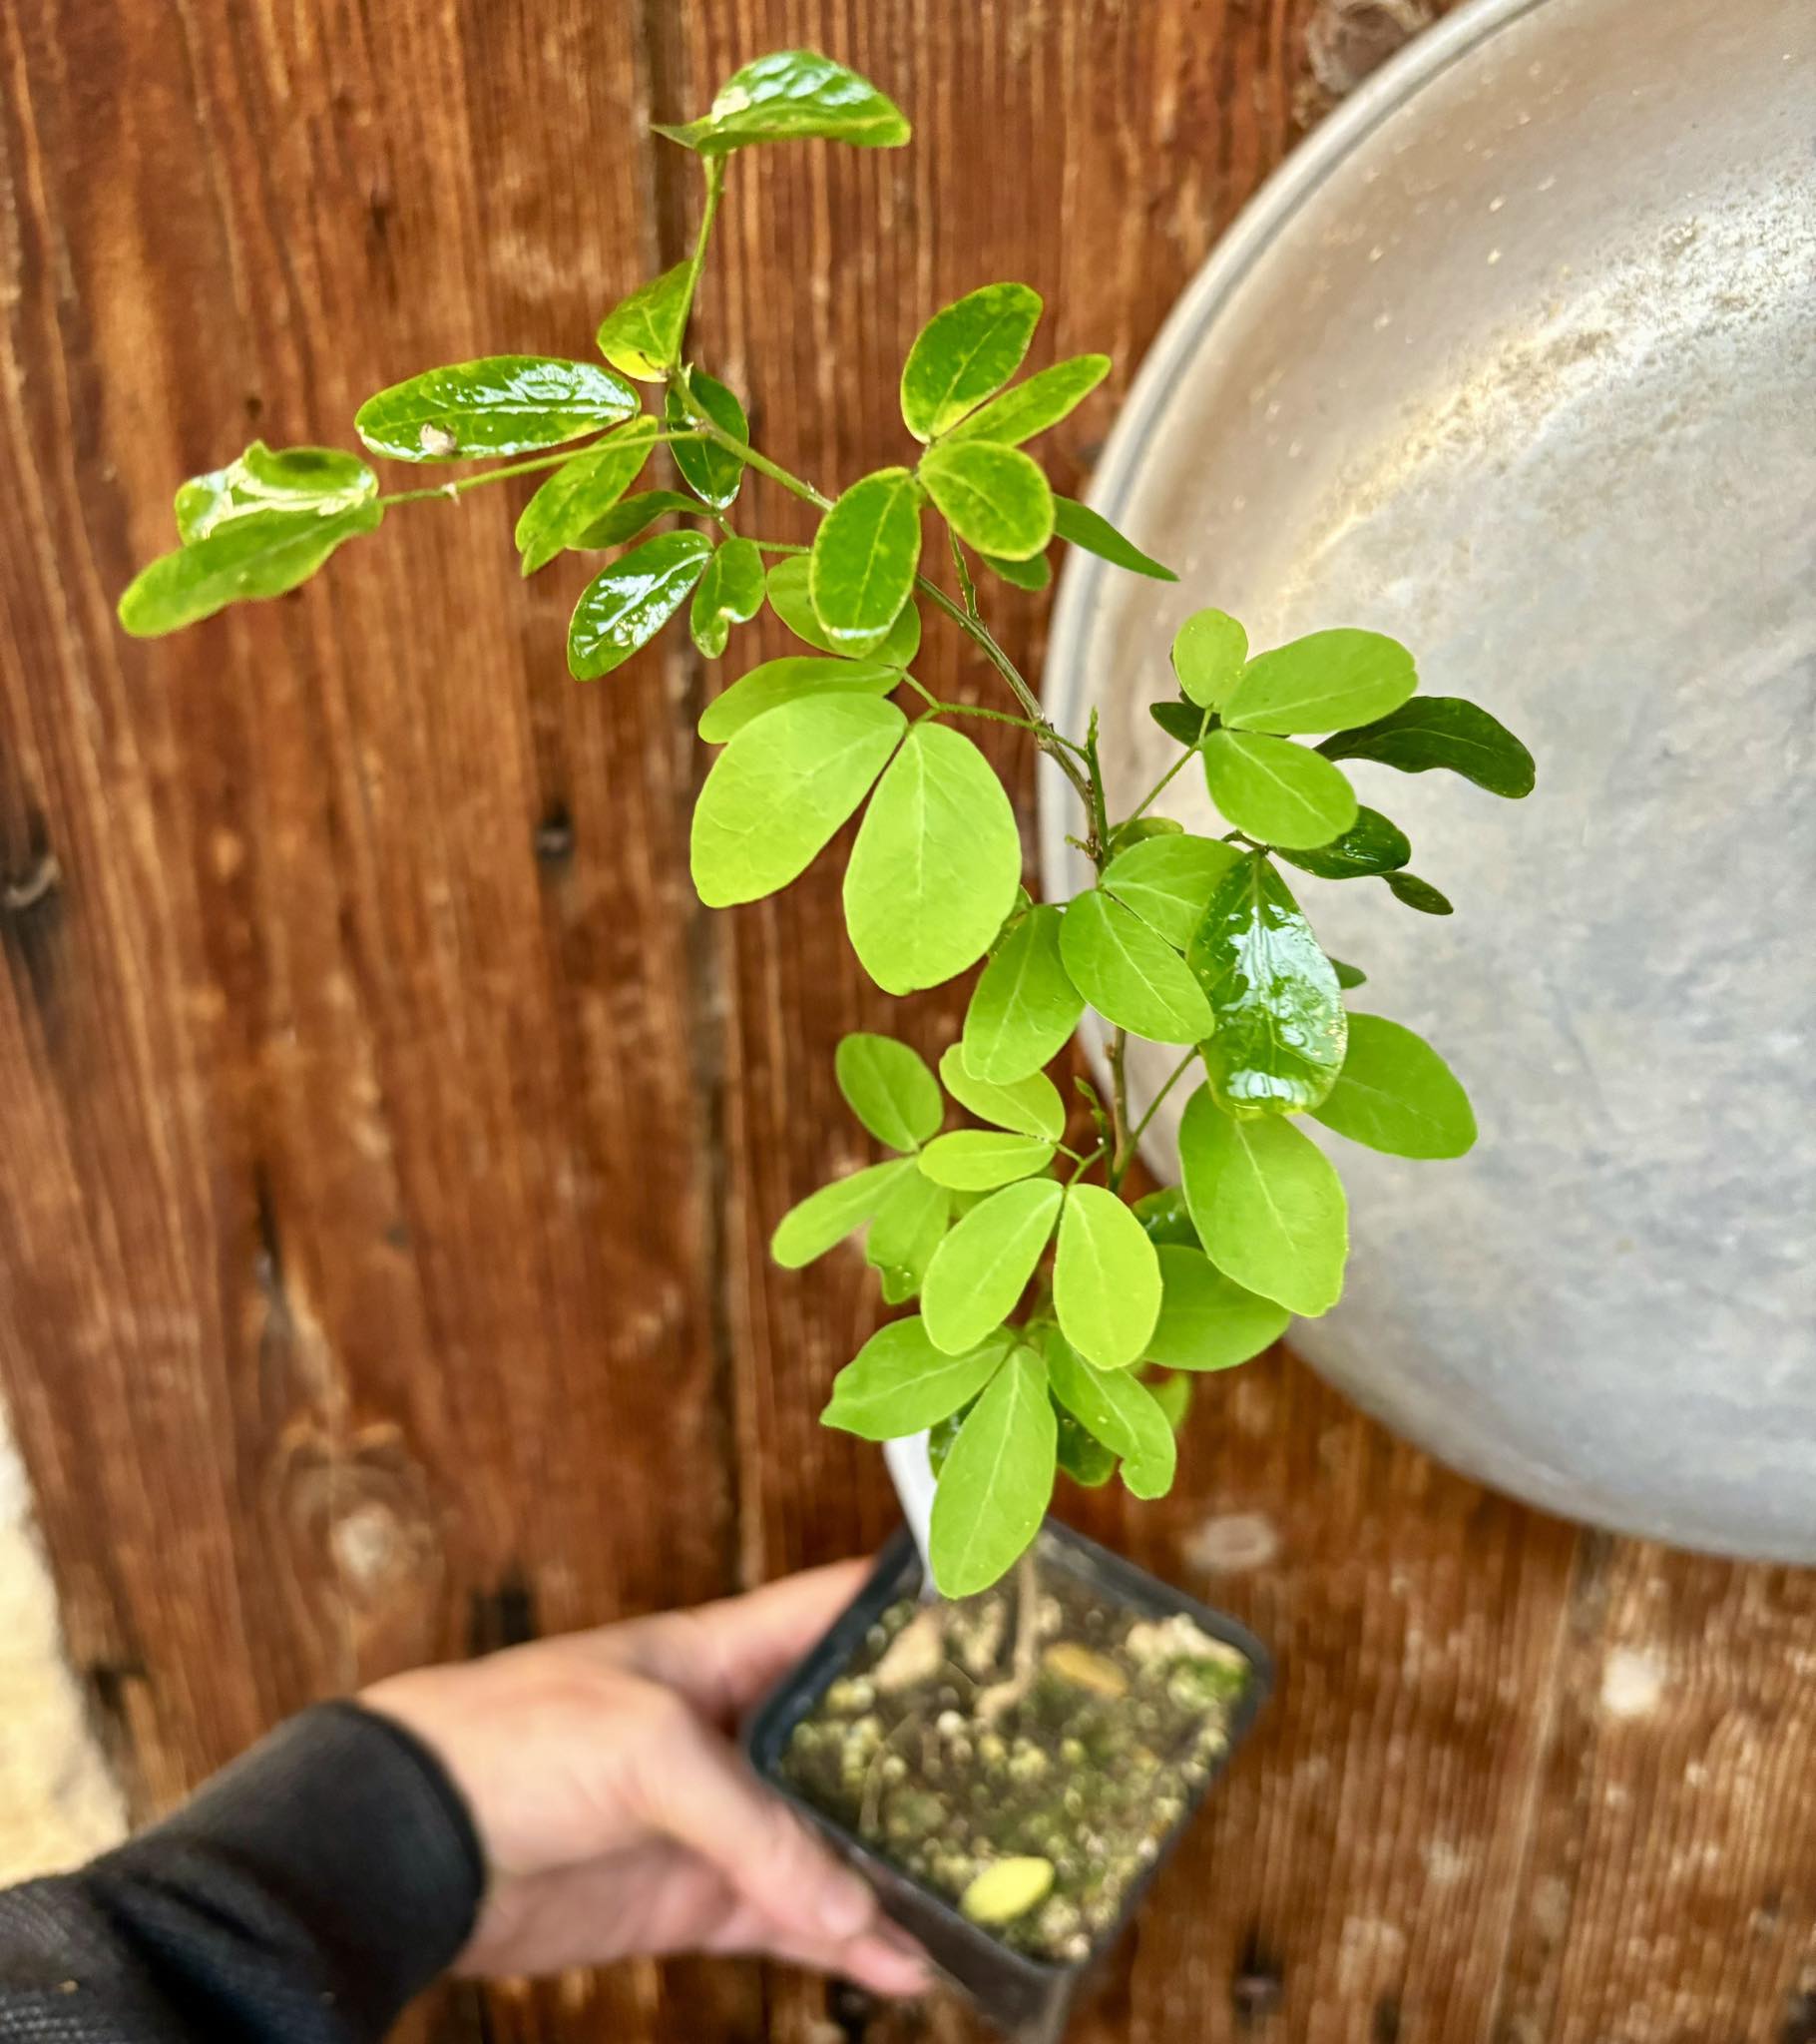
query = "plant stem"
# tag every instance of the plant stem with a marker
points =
(1190, 753)
(1119, 1108)
(1002, 1696)
(715, 185)
(1140, 1127)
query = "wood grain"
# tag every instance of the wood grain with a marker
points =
(390, 1145)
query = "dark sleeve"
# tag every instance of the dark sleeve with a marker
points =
(302, 1897)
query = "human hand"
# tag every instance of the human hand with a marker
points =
(616, 1816)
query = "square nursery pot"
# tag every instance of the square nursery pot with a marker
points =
(1026, 1997)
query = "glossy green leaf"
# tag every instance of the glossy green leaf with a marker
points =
(936, 865)
(997, 1480)
(1165, 1219)
(626, 604)
(790, 600)
(898, 1383)
(1105, 1278)
(1079, 525)
(1120, 1412)
(1208, 655)
(1371, 844)
(501, 405)
(978, 1160)
(1184, 723)
(910, 1223)
(1348, 976)
(1281, 1022)
(1032, 406)
(864, 558)
(1327, 680)
(1081, 1455)
(1447, 731)
(1395, 1093)
(1267, 1205)
(982, 1267)
(994, 498)
(1418, 894)
(1032, 573)
(788, 679)
(1025, 1006)
(1275, 791)
(730, 592)
(1030, 1105)
(1138, 829)
(633, 515)
(1169, 881)
(826, 1216)
(890, 1089)
(792, 96)
(781, 788)
(322, 480)
(713, 472)
(572, 501)
(1130, 974)
(966, 354)
(263, 554)
(642, 334)
(1208, 1320)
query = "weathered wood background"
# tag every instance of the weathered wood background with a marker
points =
(387, 1142)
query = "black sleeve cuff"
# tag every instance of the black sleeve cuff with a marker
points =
(309, 1890)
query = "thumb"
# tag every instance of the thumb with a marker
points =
(696, 1789)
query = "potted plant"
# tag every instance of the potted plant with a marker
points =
(1011, 1759)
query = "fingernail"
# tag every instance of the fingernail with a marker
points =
(848, 1908)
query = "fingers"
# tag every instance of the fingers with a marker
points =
(722, 1656)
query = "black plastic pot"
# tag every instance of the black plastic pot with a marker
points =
(1028, 1998)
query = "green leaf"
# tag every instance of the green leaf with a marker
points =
(501, 405)
(789, 680)
(936, 865)
(323, 480)
(714, 473)
(1418, 894)
(626, 604)
(890, 1088)
(1172, 1395)
(1371, 844)
(730, 592)
(1447, 731)
(1348, 976)
(982, 1268)
(792, 96)
(1033, 573)
(1184, 723)
(978, 1160)
(633, 515)
(261, 554)
(1267, 1205)
(1208, 1320)
(572, 501)
(781, 788)
(1079, 525)
(1395, 1093)
(1327, 680)
(791, 602)
(966, 354)
(1169, 881)
(1025, 1006)
(1138, 828)
(642, 334)
(994, 1490)
(826, 1216)
(1105, 1278)
(1081, 1455)
(1164, 1219)
(910, 1224)
(1208, 655)
(1120, 1412)
(1032, 406)
(898, 1383)
(864, 559)
(1130, 974)
(1275, 791)
(1030, 1105)
(1280, 1023)
(994, 498)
